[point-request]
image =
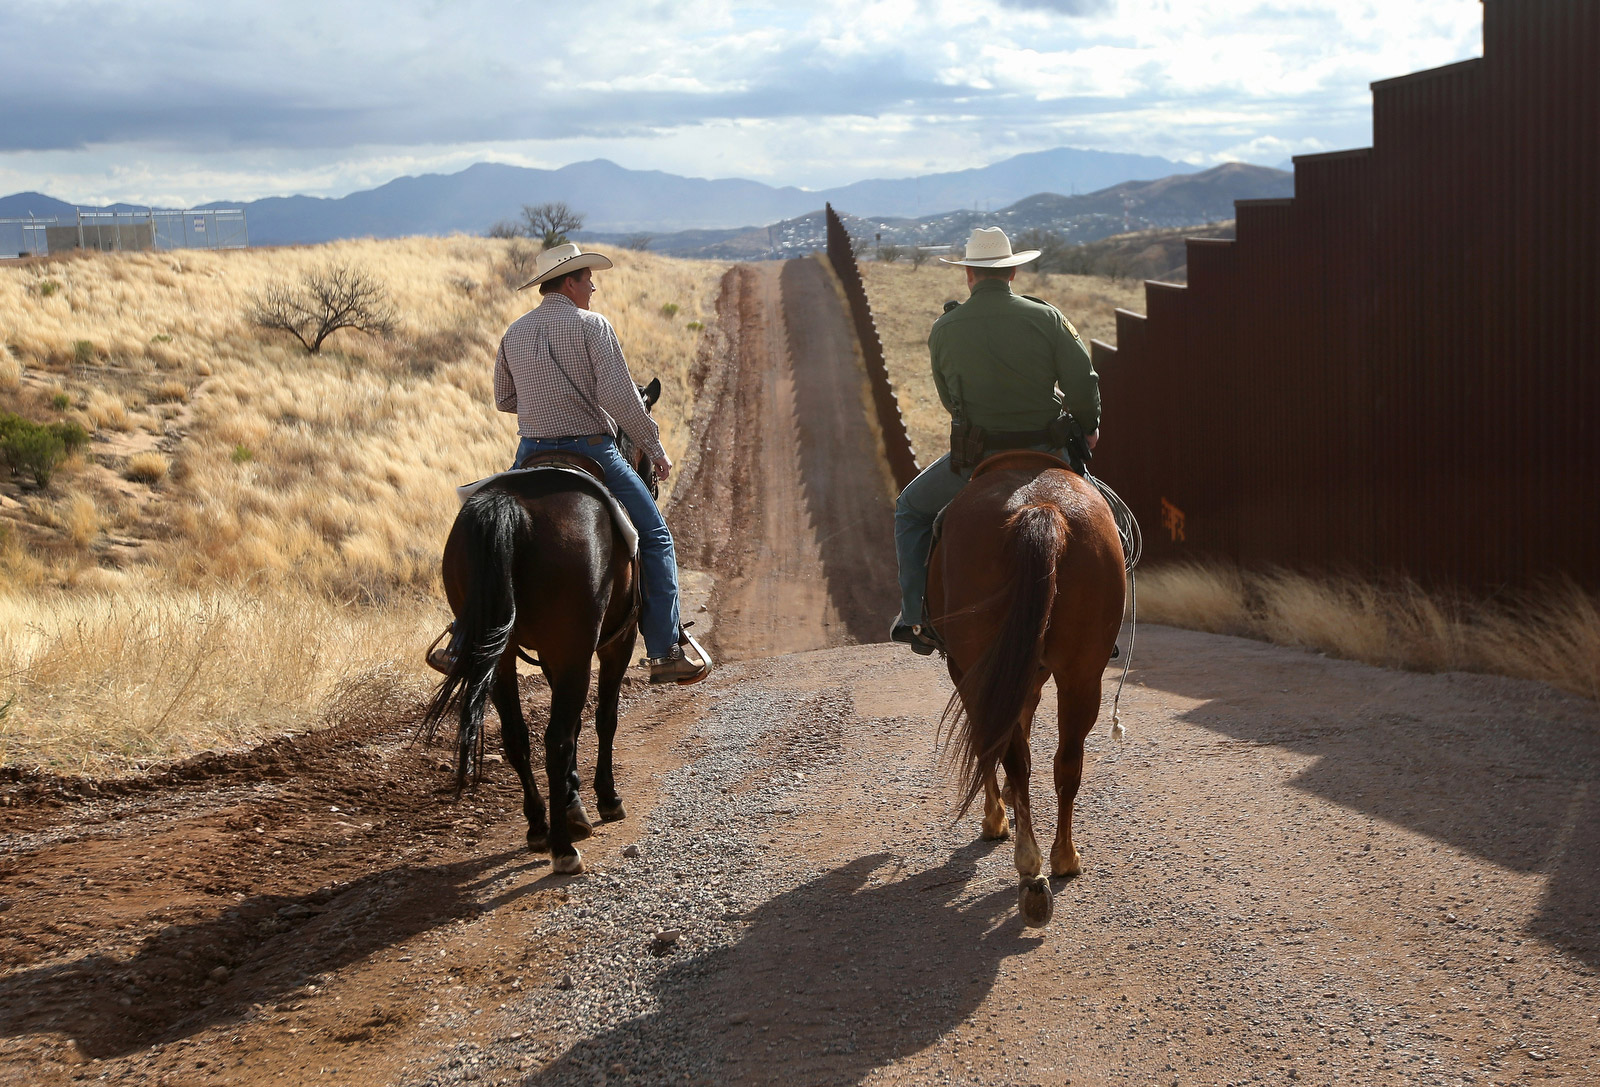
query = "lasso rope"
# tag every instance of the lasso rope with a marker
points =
(1132, 550)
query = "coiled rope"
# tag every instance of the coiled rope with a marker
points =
(1132, 551)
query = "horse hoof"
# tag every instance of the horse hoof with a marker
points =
(572, 864)
(579, 825)
(996, 835)
(1035, 903)
(538, 841)
(610, 813)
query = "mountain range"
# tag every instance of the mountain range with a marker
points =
(1179, 201)
(614, 199)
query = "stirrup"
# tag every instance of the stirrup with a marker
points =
(441, 659)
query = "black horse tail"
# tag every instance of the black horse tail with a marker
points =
(987, 708)
(490, 520)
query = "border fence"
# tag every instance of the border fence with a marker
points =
(117, 230)
(1398, 370)
(902, 461)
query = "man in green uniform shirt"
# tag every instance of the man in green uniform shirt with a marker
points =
(998, 360)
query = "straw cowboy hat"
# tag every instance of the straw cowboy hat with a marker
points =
(558, 260)
(990, 248)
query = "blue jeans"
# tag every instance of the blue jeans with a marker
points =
(914, 513)
(658, 562)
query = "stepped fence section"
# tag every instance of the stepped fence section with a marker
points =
(1398, 370)
(902, 461)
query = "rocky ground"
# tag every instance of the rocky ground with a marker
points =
(1297, 870)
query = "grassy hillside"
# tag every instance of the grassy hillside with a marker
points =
(250, 529)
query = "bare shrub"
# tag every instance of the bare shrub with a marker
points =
(339, 296)
(505, 228)
(637, 242)
(519, 265)
(550, 222)
(889, 253)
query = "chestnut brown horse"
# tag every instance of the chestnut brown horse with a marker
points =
(1026, 583)
(535, 561)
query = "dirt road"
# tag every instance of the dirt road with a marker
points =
(1297, 870)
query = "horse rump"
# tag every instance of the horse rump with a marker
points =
(984, 715)
(482, 552)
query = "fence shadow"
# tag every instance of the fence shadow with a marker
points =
(841, 975)
(1505, 770)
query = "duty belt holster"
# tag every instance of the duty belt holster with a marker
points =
(966, 445)
(969, 444)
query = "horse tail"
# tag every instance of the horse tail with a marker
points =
(985, 713)
(490, 521)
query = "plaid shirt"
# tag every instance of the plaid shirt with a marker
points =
(559, 337)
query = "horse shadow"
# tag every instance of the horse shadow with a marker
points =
(1514, 781)
(838, 977)
(264, 948)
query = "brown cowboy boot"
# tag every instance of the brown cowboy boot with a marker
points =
(677, 667)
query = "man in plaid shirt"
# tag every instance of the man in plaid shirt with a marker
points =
(560, 370)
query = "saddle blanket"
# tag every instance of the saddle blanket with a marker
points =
(619, 515)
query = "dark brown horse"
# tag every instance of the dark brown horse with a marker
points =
(1025, 583)
(535, 562)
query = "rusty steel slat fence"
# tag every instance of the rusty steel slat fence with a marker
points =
(1398, 370)
(897, 444)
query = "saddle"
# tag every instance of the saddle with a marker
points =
(558, 458)
(576, 466)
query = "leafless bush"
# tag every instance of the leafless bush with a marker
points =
(550, 222)
(519, 264)
(505, 228)
(919, 256)
(639, 242)
(338, 296)
(889, 253)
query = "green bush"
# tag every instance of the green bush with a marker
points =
(241, 454)
(61, 401)
(47, 287)
(694, 326)
(669, 309)
(37, 449)
(160, 337)
(83, 352)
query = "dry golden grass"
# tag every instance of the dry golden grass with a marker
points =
(308, 479)
(906, 301)
(147, 467)
(98, 683)
(1552, 635)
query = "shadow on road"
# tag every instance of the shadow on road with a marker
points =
(266, 946)
(1514, 780)
(832, 980)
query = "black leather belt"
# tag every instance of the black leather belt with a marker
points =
(590, 439)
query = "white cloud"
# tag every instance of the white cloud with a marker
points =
(186, 100)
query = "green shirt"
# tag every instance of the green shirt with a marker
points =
(998, 357)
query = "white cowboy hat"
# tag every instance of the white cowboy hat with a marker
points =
(990, 248)
(558, 260)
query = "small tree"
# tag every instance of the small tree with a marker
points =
(919, 256)
(550, 222)
(520, 262)
(1052, 248)
(336, 297)
(638, 242)
(505, 228)
(888, 253)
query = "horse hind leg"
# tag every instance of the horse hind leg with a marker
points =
(569, 689)
(996, 827)
(1078, 709)
(514, 737)
(1034, 901)
(613, 666)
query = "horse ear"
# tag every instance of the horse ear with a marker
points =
(652, 392)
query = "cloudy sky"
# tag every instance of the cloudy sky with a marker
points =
(184, 101)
